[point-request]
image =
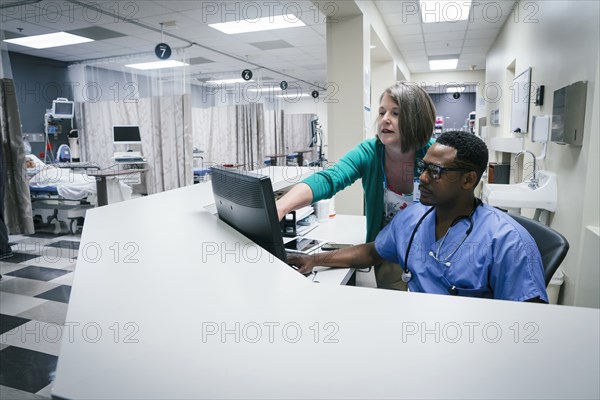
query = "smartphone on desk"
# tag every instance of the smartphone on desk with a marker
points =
(330, 246)
(303, 245)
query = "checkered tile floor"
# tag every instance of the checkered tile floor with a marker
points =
(34, 294)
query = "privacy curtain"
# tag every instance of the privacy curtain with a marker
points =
(158, 102)
(165, 129)
(17, 200)
(246, 134)
(297, 134)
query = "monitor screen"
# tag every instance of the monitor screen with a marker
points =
(62, 109)
(126, 134)
(313, 126)
(245, 201)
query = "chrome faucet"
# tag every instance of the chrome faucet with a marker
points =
(533, 182)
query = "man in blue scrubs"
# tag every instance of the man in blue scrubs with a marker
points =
(451, 243)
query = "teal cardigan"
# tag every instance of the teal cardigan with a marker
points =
(363, 161)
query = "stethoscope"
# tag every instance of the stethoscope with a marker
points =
(406, 274)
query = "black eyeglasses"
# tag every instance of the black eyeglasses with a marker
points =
(435, 171)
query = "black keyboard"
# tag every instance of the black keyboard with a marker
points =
(129, 159)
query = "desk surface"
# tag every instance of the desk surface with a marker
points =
(230, 321)
(115, 172)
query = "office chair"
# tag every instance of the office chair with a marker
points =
(552, 245)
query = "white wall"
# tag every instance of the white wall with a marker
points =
(382, 77)
(560, 43)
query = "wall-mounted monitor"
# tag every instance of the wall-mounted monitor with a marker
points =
(126, 134)
(313, 125)
(521, 88)
(62, 108)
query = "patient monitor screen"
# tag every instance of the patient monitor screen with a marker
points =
(62, 109)
(126, 134)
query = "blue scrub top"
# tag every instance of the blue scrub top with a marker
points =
(499, 259)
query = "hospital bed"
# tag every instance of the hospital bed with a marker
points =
(60, 193)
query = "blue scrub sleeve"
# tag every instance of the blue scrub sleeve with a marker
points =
(385, 243)
(517, 273)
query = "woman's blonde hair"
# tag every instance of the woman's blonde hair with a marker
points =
(416, 117)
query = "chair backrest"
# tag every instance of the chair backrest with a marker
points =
(552, 245)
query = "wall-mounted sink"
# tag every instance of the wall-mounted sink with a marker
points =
(521, 195)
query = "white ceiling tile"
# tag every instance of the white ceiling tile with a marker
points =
(454, 44)
(179, 18)
(136, 9)
(414, 53)
(444, 36)
(403, 39)
(417, 46)
(414, 29)
(485, 24)
(475, 49)
(319, 52)
(442, 27)
(400, 18)
(28, 29)
(482, 34)
(491, 10)
(187, 5)
(452, 51)
(477, 42)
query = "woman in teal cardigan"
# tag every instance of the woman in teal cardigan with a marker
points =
(385, 163)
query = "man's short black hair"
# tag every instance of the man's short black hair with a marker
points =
(470, 149)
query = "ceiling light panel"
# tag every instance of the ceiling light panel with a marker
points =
(157, 65)
(49, 40)
(436, 65)
(259, 24)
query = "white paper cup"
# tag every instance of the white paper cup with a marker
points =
(322, 210)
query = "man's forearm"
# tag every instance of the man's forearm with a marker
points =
(363, 255)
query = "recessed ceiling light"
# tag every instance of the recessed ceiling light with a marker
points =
(260, 24)
(293, 96)
(266, 89)
(157, 65)
(228, 81)
(444, 10)
(443, 64)
(49, 40)
(455, 89)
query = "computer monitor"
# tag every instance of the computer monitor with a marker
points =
(62, 108)
(245, 201)
(314, 130)
(126, 134)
